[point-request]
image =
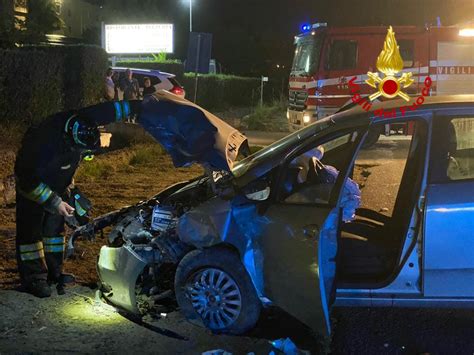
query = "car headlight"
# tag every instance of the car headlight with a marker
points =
(306, 118)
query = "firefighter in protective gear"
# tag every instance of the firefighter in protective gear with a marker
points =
(46, 162)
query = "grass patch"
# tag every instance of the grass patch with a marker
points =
(268, 118)
(146, 154)
(255, 148)
(11, 134)
(123, 161)
(95, 169)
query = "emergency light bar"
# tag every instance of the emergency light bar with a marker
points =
(307, 27)
(319, 24)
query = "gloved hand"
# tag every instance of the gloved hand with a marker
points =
(64, 209)
(55, 205)
(82, 206)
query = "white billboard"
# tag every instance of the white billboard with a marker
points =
(142, 38)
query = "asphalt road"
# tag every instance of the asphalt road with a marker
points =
(391, 147)
(263, 138)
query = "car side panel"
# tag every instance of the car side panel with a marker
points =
(449, 240)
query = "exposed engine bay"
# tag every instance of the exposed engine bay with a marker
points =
(143, 247)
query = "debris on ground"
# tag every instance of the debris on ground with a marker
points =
(287, 347)
(216, 352)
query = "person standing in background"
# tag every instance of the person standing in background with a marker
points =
(129, 86)
(109, 93)
(148, 88)
(115, 79)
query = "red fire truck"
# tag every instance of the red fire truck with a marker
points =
(326, 59)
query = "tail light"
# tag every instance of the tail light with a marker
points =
(177, 90)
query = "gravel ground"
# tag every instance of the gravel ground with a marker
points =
(75, 323)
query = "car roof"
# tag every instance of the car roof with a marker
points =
(429, 102)
(153, 72)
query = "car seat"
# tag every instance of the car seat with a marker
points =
(370, 246)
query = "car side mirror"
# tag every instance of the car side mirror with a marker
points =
(261, 195)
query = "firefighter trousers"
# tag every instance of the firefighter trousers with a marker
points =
(39, 242)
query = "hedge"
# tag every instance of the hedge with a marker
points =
(30, 86)
(38, 81)
(219, 92)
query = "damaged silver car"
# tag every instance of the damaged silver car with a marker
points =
(284, 227)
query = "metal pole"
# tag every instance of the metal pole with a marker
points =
(190, 15)
(196, 77)
(261, 93)
(102, 34)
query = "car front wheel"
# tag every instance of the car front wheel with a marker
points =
(213, 288)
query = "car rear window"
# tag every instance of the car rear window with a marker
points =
(155, 80)
(174, 82)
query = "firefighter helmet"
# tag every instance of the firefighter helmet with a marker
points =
(83, 132)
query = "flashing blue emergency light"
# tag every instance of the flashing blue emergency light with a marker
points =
(306, 27)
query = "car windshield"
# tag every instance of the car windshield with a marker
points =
(278, 148)
(307, 54)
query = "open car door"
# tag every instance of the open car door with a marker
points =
(299, 242)
(300, 249)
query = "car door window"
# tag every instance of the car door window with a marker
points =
(311, 176)
(461, 149)
(452, 156)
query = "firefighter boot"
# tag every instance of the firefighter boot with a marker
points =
(62, 281)
(66, 278)
(38, 286)
(32, 268)
(54, 253)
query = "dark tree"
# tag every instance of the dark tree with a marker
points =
(42, 19)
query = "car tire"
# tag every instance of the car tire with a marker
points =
(213, 289)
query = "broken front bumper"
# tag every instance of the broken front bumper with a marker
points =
(118, 270)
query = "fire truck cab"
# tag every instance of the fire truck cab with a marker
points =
(326, 59)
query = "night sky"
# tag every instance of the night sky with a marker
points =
(252, 36)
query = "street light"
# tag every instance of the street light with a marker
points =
(190, 15)
(185, 3)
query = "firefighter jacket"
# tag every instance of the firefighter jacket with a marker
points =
(47, 161)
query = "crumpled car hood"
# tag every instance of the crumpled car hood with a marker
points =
(191, 134)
